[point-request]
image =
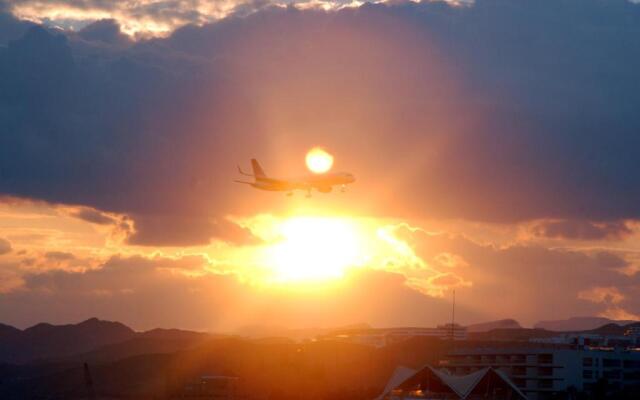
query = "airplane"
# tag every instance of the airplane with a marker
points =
(323, 183)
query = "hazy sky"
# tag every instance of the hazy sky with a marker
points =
(495, 144)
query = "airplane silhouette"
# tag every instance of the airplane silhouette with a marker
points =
(323, 183)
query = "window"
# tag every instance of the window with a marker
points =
(519, 359)
(545, 358)
(587, 374)
(545, 371)
(612, 374)
(610, 363)
(587, 362)
(632, 375)
(545, 384)
(489, 359)
(519, 371)
(632, 364)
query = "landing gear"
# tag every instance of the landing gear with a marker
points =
(308, 195)
(289, 194)
(343, 188)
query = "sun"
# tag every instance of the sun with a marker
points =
(315, 249)
(319, 160)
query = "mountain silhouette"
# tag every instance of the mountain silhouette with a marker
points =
(92, 340)
(156, 341)
(44, 340)
(574, 324)
(491, 325)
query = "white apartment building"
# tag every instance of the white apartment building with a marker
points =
(543, 371)
(384, 336)
(592, 340)
(445, 331)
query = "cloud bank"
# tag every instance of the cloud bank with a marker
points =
(157, 17)
(476, 119)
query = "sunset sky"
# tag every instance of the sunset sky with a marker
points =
(496, 145)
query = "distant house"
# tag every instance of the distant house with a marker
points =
(430, 383)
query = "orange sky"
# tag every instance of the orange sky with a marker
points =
(307, 256)
(482, 165)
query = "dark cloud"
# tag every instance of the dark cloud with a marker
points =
(465, 112)
(106, 133)
(582, 230)
(10, 27)
(105, 31)
(5, 246)
(154, 230)
(93, 216)
(447, 279)
(537, 281)
(59, 256)
(53, 260)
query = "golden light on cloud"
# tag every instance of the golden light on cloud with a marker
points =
(308, 249)
(70, 17)
(151, 18)
(319, 160)
(305, 250)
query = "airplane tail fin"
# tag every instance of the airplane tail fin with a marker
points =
(258, 172)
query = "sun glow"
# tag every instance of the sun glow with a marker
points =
(319, 160)
(315, 249)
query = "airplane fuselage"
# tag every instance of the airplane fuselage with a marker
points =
(323, 183)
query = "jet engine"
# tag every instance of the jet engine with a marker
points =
(325, 189)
